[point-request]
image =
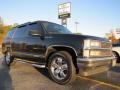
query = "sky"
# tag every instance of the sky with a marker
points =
(95, 17)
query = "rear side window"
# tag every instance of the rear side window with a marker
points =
(23, 31)
(20, 32)
(10, 33)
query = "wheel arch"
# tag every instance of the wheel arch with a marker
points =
(54, 48)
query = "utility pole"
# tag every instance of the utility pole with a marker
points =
(76, 23)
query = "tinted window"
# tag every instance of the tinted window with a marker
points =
(53, 28)
(10, 33)
(21, 32)
(34, 26)
(116, 45)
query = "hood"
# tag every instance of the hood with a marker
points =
(77, 37)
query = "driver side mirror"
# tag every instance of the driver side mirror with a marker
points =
(35, 33)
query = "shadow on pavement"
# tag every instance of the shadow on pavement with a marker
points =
(43, 72)
(5, 78)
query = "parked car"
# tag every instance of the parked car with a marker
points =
(49, 45)
(116, 51)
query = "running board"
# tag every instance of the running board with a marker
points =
(39, 66)
(30, 63)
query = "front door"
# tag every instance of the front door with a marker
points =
(35, 46)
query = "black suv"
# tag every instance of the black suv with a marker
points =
(48, 45)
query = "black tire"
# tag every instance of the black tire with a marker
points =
(117, 57)
(69, 75)
(7, 55)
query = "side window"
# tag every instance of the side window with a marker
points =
(50, 27)
(21, 32)
(34, 26)
(10, 33)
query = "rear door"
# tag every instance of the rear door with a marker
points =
(19, 42)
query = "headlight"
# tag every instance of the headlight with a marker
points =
(86, 53)
(96, 48)
(91, 43)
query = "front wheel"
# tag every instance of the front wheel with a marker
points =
(61, 68)
(8, 58)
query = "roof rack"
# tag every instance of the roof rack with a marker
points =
(24, 24)
(28, 23)
(21, 25)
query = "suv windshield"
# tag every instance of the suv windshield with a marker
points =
(53, 28)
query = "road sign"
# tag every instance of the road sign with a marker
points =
(64, 10)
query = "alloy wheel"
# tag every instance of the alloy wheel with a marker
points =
(59, 68)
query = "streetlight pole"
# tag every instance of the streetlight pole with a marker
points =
(76, 23)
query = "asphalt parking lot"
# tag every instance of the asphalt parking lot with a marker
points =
(22, 76)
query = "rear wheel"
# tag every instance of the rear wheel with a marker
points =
(8, 58)
(61, 68)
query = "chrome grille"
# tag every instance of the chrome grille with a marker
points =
(102, 53)
(105, 45)
(106, 53)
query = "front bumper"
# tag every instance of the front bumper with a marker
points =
(92, 62)
(88, 66)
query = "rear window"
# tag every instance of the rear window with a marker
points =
(10, 33)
